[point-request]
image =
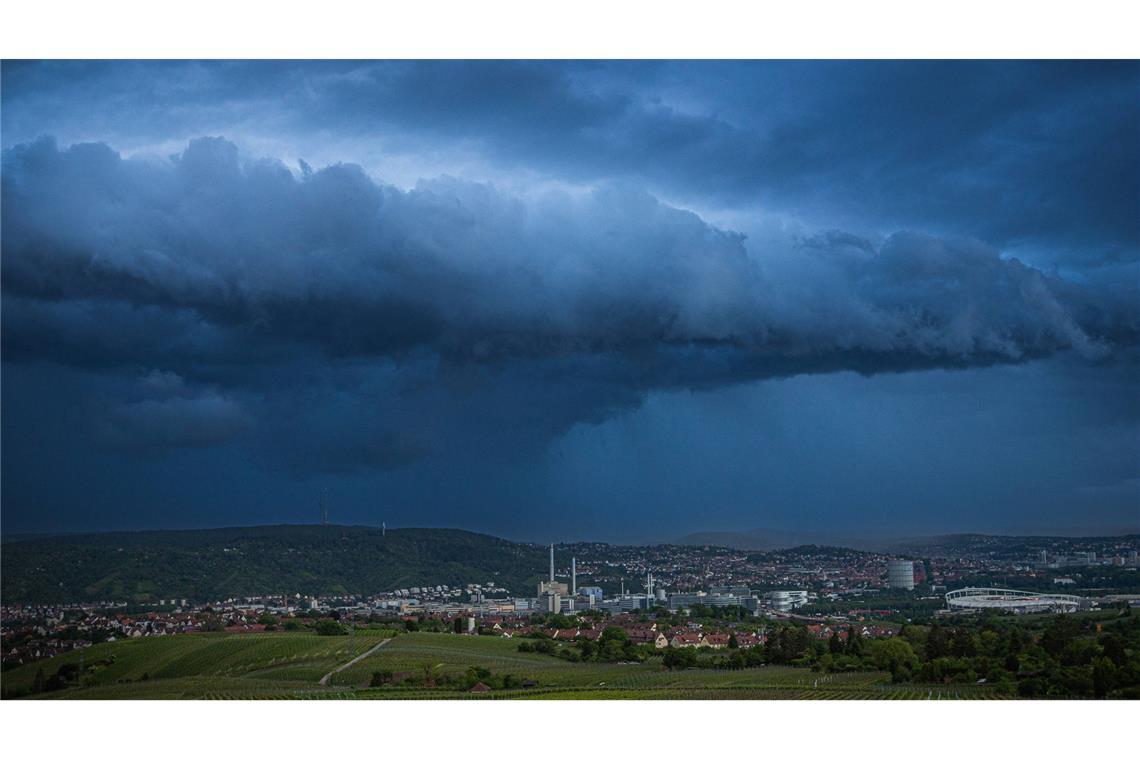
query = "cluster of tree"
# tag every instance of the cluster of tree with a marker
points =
(426, 625)
(372, 619)
(212, 624)
(1070, 657)
(329, 628)
(554, 620)
(1062, 656)
(905, 606)
(613, 645)
(786, 645)
(476, 675)
(333, 625)
(731, 612)
(66, 675)
(679, 658)
(427, 677)
(539, 646)
(1067, 658)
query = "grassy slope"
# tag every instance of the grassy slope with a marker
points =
(288, 665)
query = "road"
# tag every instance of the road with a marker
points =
(325, 678)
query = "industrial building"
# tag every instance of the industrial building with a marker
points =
(551, 592)
(900, 574)
(556, 596)
(785, 601)
(627, 603)
(683, 601)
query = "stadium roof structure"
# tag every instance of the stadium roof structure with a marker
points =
(1012, 600)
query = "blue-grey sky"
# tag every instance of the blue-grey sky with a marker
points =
(563, 300)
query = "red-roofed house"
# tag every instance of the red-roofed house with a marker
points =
(716, 640)
(687, 639)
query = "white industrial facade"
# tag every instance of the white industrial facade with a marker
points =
(785, 601)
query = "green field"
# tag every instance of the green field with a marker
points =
(289, 665)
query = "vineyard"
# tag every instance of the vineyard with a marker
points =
(188, 665)
(289, 666)
(558, 679)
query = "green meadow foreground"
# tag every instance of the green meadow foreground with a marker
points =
(417, 666)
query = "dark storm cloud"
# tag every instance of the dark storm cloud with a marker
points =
(348, 450)
(523, 316)
(209, 325)
(336, 261)
(160, 411)
(1000, 151)
(207, 420)
(1033, 152)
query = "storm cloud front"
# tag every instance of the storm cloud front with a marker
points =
(615, 301)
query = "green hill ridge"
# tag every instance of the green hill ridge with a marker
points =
(208, 565)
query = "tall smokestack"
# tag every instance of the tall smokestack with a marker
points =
(573, 576)
(552, 563)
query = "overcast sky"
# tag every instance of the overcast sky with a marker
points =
(553, 301)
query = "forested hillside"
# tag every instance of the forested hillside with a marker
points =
(206, 565)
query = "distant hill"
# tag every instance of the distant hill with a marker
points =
(768, 540)
(979, 543)
(216, 564)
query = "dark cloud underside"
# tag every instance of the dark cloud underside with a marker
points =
(196, 300)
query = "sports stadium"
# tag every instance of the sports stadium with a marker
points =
(1012, 601)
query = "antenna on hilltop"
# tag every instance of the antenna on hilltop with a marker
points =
(324, 508)
(383, 529)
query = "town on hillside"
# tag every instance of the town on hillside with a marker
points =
(663, 596)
